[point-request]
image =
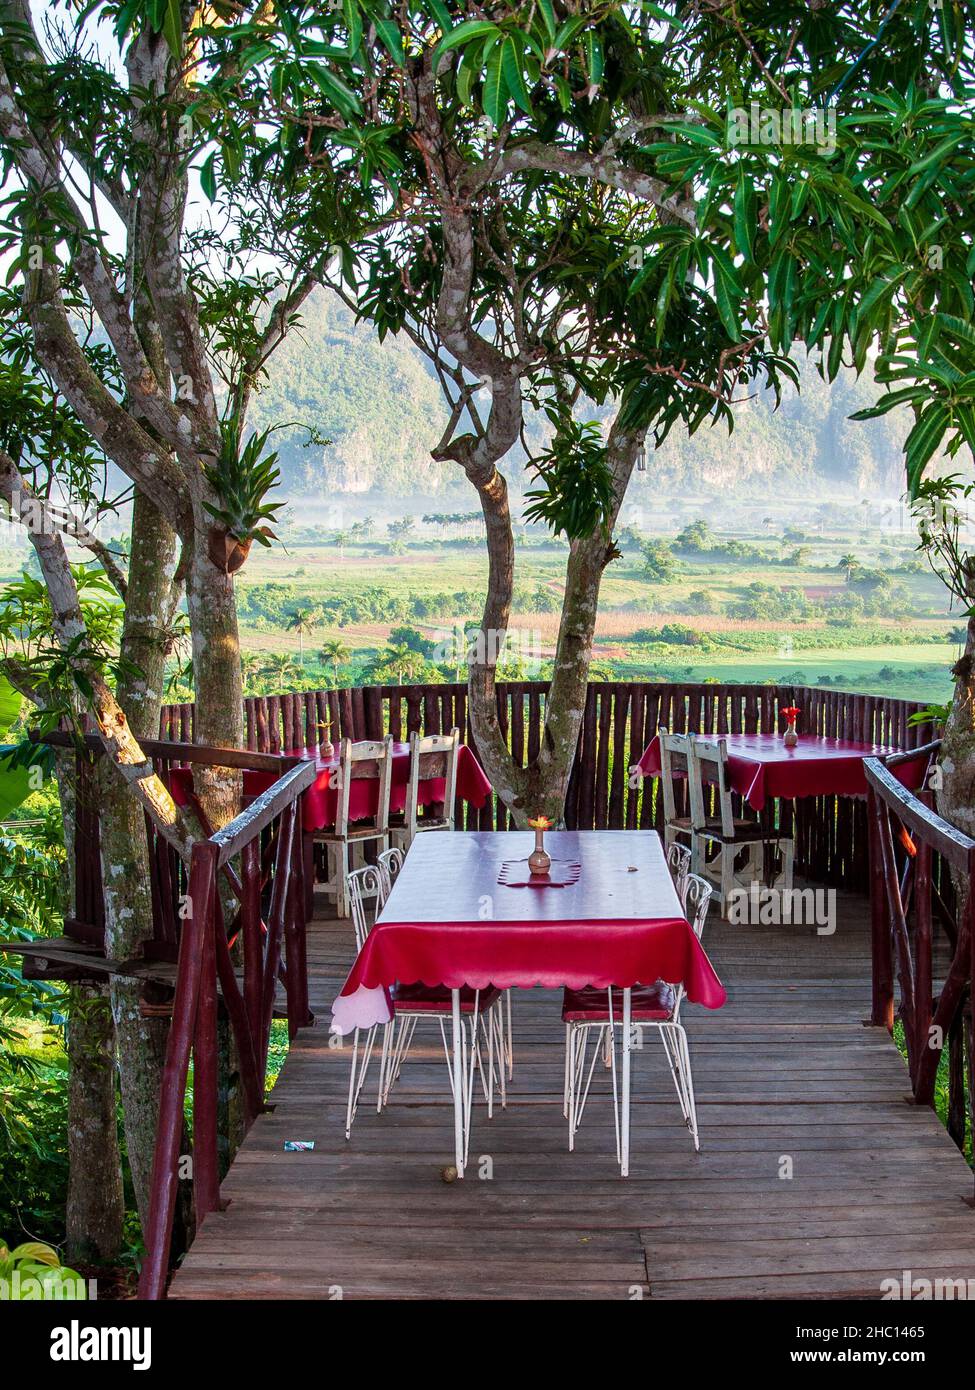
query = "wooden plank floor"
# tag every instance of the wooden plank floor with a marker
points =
(816, 1178)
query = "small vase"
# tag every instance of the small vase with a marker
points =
(539, 861)
(790, 738)
(326, 750)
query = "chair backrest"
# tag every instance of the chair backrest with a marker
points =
(674, 761)
(679, 863)
(363, 760)
(709, 766)
(363, 884)
(390, 862)
(695, 898)
(432, 756)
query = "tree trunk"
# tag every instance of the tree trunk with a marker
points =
(218, 688)
(95, 1207)
(141, 1042)
(540, 788)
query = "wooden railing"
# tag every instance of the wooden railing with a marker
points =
(620, 719)
(921, 869)
(255, 864)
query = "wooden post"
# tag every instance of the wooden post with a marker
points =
(165, 1163)
(206, 1174)
(882, 964)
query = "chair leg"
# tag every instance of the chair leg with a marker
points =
(727, 877)
(683, 1061)
(352, 1071)
(509, 1043)
(389, 1038)
(788, 861)
(565, 1083)
(357, 1075)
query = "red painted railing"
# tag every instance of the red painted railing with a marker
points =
(266, 842)
(921, 869)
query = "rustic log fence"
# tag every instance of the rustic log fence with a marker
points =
(620, 719)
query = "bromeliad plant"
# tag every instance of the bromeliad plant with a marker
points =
(241, 477)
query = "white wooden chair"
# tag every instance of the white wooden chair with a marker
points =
(728, 851)
(432, 756)
(652, 1006)
(345, 839)
(674, 764)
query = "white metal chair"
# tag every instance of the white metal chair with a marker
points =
(362, 884)
(652, 1006)
(390, 862)
(433, 756)
(482, 1023)
(356, 761)
(679, 863)
(728, 851)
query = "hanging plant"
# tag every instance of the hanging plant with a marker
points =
(242, 479)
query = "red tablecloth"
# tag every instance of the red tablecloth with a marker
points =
(448, 921)
(760, 766)
(320, 800)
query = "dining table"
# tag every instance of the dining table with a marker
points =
(319, 802)
(762, 767)
(465, 911)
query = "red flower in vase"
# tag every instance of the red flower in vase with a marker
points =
(791, 712)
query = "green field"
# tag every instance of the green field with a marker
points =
(883, 626)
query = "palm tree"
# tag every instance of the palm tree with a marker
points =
(301, 621)
(336, 652)
(851, 564)
(250, 664)
(280, 666)
(396, 660)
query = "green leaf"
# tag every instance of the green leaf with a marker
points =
(15, 784)
(744, 214)
(464, 33)
(494, 99)
(391, 39)
(208, 176)
(569, 29)
(172, 28)
(728, 291)
(353, 20)
(594, 52)
(890, 402)
(513, 75)
(923, 440)
(10, 703)
(548, 17)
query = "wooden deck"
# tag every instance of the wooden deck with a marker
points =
(786, 1075)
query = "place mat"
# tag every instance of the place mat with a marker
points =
(515, 873)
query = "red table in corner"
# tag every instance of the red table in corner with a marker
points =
(451, 920)
(320, 800)
(761, 767)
